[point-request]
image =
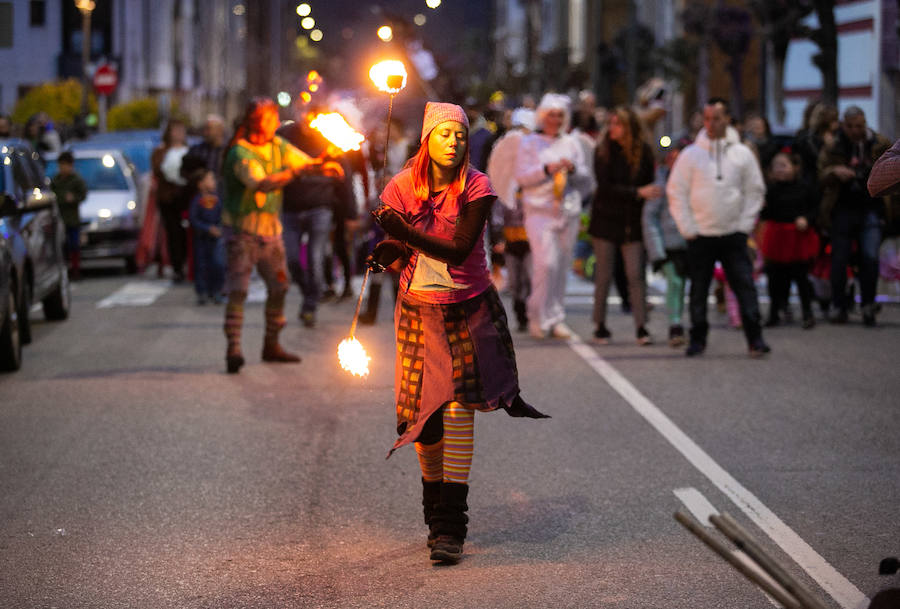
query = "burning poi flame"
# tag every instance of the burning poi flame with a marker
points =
(353, 357)
(337, 131)
(389, 76)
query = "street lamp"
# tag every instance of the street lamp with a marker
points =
(85, 6)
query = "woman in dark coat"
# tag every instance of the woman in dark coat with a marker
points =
(624, 169)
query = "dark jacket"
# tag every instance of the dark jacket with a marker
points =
(312, 188)
(616, 210)
(853, 193)
(787, 201)
(75, 185)
(205, 212)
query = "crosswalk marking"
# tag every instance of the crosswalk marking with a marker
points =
(136, 294)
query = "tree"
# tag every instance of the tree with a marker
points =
(61, 100)
(732, 29)
(781, 20)
(826, 59)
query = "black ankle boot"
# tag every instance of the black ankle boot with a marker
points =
(431, 497)
(449, 522)
(521, 315)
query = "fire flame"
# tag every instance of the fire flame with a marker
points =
(337, 131)
(382, 72)
(353, 357)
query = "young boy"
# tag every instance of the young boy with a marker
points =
(71, 191)
(209, 255)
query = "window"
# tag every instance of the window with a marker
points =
(6, 25)
(38, 13)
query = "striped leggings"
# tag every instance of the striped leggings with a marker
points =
(450, 459)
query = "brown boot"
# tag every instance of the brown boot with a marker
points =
(274, 352)
(449, 523)
(233, 361)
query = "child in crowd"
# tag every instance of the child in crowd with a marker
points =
(71, 191)
(209, 253)
(667, 250)
(788, 241)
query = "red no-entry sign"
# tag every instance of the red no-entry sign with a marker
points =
(105, 79)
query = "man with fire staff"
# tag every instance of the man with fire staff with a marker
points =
(454, 351)
(257, 166)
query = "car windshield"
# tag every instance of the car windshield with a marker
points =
(101, 173)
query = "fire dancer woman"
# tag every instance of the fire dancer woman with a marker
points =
(454, 351)
(257, 165)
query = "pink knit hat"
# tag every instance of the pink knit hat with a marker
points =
(440, 112)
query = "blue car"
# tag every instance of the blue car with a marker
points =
(32, 265)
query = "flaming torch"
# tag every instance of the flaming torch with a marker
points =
(388, 76)
(337, 131)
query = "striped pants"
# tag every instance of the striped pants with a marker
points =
(450, 459)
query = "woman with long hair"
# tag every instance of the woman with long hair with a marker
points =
(172, 195)
(623, 166)
(454, 351)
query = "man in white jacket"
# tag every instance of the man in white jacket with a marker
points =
(715, 193)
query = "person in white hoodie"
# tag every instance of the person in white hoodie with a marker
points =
(555, 177)
(715, 193)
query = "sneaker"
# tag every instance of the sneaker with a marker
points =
(868, 315)
(694, 349)
(560, 331)
(643, 337)
(758, 348)
(809, 322)
(602, 336)
(676, 336)
(201, 300)
(308, 318)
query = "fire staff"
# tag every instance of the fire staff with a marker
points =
(454, 351)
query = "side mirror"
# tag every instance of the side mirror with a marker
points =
(37, 201)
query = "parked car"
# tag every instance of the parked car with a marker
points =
(112, 213)
(12, 255)
(32, 265)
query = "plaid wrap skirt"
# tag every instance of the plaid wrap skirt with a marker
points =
(460, 352)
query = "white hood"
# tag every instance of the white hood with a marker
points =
(716, 187)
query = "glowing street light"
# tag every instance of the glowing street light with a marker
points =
(307, 23)
(385, 33)
(304, 9)
(432, 3)
(420, 19)
(316, 36)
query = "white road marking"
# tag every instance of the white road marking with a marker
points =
(697, 504)
(256, 291)
(836, 585)
(135, 294)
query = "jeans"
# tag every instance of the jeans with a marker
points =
(731, 250)
(316, 225)
(209, 266)
(863, 226)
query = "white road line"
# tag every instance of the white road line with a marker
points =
(836, 585)
(135, 294)
(697, 504)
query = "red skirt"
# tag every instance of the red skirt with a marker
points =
(782, 242)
